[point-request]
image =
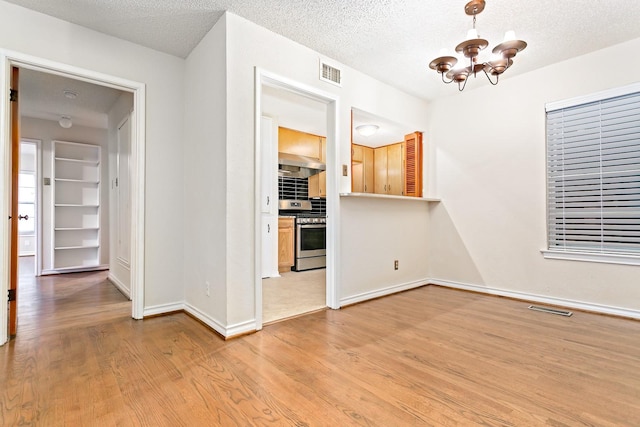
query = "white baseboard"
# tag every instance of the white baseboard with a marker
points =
(382, 292)
(75, 269)
(562, 302)
(206, 319)
(118, 284)
(242, 328)
(225, 331)
(163, 309)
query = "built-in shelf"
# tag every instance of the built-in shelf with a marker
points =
(76, 206)
(82, 181)
(75, 228)
(388, 196)
(88, 162)
(63, 248)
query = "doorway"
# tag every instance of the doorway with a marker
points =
(267, 83)
(136, 91)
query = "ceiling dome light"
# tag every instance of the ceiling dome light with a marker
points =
(65, 122)
(69, 94)
(367, 130)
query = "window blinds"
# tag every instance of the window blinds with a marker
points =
(593, 176)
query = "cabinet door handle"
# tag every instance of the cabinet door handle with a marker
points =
(268, 200)
(268, 228)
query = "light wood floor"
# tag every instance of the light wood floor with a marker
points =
(431, 356)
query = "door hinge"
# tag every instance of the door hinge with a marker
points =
(13, 95)
(12, 295)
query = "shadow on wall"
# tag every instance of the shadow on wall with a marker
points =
(449, 258)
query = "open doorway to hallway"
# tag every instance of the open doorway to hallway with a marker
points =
(73, 187)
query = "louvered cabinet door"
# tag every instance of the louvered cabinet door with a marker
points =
(413, 164)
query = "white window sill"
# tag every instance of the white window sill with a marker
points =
(592, 257)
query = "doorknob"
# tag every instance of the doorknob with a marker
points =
(23, 217)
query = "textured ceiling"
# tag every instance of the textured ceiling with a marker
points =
(391, 40)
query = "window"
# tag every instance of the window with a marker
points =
(593, 175)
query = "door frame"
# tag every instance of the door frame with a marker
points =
(10, 58)
(267, 78)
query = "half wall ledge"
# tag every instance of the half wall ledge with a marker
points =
(387, 196)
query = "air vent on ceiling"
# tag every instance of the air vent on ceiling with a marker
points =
(330, 74)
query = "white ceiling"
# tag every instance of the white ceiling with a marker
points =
(391, 40)
(42, 96)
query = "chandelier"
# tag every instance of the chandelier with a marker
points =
(502, 59)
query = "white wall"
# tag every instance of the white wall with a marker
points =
(490, 155)
(248, 46)
(205, 183)
(48, 131)
(118, 273)
(40, 35)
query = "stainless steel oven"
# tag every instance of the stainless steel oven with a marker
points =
(310, 234)
(311, 243)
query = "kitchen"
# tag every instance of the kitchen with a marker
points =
(294, 174)
(296, 169)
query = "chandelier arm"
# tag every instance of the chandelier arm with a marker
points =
(489, 78)
(446, 82)
(461, 88)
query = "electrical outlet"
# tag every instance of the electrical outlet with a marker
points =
(395, 264)
(206, 284)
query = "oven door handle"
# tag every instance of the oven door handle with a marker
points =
(312, 225)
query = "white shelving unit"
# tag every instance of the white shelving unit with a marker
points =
(76, 206)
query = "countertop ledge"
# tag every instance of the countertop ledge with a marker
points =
(387, 196)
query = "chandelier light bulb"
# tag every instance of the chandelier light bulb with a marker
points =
(472, 34)
(509, 35)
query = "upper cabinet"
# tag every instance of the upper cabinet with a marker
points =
(292, 141)
(362, 169)
(386, 158)
(301, 143)
(389, 173)
(412, 157)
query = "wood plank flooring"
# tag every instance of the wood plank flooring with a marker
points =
(429, 357)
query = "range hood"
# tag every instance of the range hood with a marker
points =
(297, 166)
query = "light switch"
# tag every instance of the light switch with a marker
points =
(345, 170)
(46, 181)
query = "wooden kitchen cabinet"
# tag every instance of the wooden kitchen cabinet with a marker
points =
(389, 168)
(286, 244)
(398, 167)
(318, 185)
(413, 164)
(323, 149)
(301, 143)
(318, 182)
(362, 169)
